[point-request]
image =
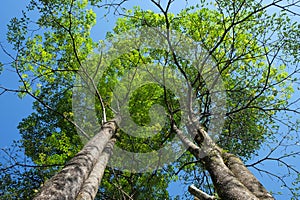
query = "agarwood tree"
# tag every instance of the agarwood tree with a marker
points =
(257, 59)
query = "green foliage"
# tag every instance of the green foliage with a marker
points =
(58, 140)
(257, 87)
(251, 82)
(49, 54)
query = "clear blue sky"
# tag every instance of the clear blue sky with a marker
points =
(14, 109)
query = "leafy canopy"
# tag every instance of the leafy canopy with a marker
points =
(257, 85)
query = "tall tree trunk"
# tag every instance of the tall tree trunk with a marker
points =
(68, 182)
(231, 179)
(245, 176)
(225, 182)
(91, 185)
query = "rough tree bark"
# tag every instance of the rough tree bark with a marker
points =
(245, 176)
(90, 188)
(69, 181)
(230, 176)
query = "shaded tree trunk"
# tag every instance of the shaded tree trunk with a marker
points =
(69, 181)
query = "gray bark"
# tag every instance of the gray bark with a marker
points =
(67, 183)
(225, 182)
(91, 185)
(227, 177)
(246, 177)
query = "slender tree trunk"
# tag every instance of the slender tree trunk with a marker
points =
(68, 182)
